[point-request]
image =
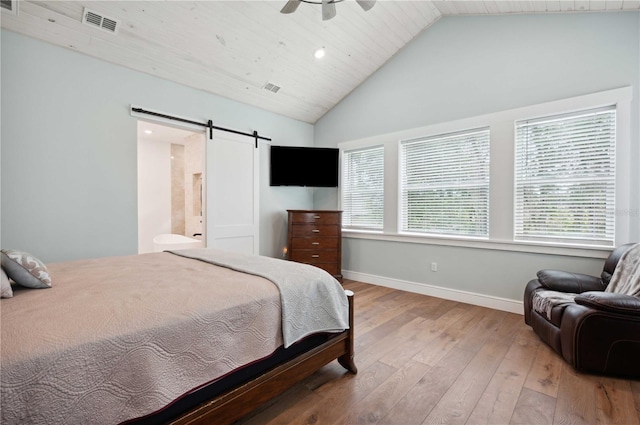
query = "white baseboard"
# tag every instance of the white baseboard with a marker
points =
(497, 303)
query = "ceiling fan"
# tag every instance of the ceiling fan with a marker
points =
(328, 6)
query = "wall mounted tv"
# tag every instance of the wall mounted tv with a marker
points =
(299, 166)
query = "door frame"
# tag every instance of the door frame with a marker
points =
(184, 126)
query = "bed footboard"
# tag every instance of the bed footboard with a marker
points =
(235, 403)
(346, 360)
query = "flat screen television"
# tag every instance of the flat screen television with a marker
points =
(300, 166)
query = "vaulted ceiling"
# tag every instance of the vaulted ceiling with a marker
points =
(239, 49)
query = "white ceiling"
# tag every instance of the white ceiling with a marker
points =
(233, 48)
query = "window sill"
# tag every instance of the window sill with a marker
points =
(530, 247)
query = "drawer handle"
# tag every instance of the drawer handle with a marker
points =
(316, 231)
(315, 243)
(315, 256)
(316, 216)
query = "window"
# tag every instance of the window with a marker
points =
(445, 184)
(557, 177)
(363, 188)
(565, 178)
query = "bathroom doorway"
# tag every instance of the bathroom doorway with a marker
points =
(171, 188)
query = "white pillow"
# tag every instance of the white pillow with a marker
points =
(25, 269)
(5, 286)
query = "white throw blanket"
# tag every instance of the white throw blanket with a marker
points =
(312, 300)
(626, 276)
(544, 301)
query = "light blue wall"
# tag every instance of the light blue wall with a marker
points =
(468, 66)
(502, 274)
(68, 169)
(68, 143)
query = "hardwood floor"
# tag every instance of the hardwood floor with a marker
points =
(424, 360)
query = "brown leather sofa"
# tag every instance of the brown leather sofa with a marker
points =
(600, 331)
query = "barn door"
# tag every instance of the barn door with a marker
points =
(232, 193)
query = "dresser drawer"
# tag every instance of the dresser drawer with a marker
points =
(314, 243)
(315, 217)
(314, 257)
(314, 230)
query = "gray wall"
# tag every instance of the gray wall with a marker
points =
(467, 66)
(68, 169)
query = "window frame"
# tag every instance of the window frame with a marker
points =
(343, 160)
(436, 138)
(564, 180)
(502, 189)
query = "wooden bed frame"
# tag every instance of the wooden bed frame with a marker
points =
(237, 402)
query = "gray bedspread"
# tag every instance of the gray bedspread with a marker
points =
(121, 337)
(312, 300)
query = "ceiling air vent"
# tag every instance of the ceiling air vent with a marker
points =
(95, 19)
(271, 87)
(10, 6)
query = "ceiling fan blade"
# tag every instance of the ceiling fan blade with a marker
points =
(291, 6)
(366, 4)
(328, 9)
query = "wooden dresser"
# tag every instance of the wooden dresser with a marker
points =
(315, 237)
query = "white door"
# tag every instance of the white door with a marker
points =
(232, 193)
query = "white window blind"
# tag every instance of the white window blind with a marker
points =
(565, 178)
(363, 188)
(445, 184)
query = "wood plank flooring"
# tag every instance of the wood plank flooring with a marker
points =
(424, 360)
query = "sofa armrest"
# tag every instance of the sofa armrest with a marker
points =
(575, 283)
(610, 302)
(595, 340)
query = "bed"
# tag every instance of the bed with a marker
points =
(184, 337)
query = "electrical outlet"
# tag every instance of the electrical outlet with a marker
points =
(434, 267)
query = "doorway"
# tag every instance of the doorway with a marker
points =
(171, 187)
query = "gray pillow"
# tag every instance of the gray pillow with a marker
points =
(5, 286)
(25, 269)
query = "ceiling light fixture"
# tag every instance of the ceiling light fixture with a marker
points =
(328, 6)
(319, 54)
(148, 132)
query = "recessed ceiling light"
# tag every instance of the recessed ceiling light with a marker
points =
(148, 132)
(319, 54)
